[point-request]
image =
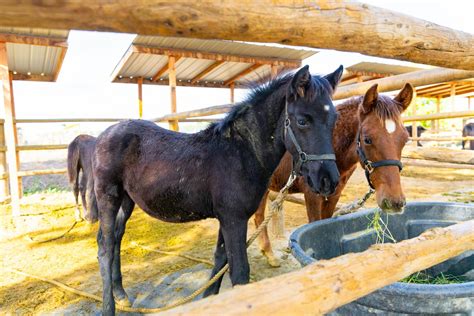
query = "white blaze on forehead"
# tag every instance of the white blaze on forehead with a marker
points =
(326, 107)
(390, 126)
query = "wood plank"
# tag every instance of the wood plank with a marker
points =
(39, 172)
(203, 73)
(41, 147)
(321, 287)
(434, 164)
(34, 77)
(33, 40)
(215, 56)
(439, 154)
(212, 110)
(324, 24)
(232, 90)
(438, 116)
(71, 120)
(4, 188)
(10, 131)
(242, 74)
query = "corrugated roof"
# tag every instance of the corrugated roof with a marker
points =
(34, 54)
(149, 54)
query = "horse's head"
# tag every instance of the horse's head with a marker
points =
(309, 127)
(381, 139)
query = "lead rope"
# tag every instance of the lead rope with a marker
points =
(354, 206)
(275, 207)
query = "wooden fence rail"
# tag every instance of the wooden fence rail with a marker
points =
(323, 286)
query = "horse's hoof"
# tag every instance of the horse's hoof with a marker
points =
(273, 261)
(125, 302)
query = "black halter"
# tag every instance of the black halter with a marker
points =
(302, 156)
(369, 166)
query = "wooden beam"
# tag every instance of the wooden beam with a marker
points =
(242, 74)
(140, 97)
(163, 69)
(438, 116)
(172, 83)
(440, 154)
(416, 78)
(59, 64)
(4, 189)
(203, 73)
(434, 164)
(10, 130)
(215, 56)
(453, 97)
(33, 40)
(212, 110)
(34, 77)
(404, 38)
(323, 286)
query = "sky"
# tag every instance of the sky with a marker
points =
(83, 88)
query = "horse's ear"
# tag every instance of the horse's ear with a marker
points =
(335, 77)
(405, 96)
(370, 99)
(300, 83)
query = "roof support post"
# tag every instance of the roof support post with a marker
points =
(10, 131)
(232, 88)
(172, 83)
(140, 97)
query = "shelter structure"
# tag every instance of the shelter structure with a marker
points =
(25, 54)
(191, 62)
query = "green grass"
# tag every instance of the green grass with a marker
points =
(380, 227)
(424, 278)
(38, 188)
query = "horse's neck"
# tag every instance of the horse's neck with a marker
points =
(262, 132)
(347, 126)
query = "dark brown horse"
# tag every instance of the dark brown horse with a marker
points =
(221, 172)
(79, 158)
(376, 118)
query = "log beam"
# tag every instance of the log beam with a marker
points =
(321, 287)
(416, 78)
(440, 154)
(33, 40)
(373, 31)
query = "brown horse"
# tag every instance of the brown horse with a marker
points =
(373, 120)
(79, 158)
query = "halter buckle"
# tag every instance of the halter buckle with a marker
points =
(303, 157)
(369, 167)
(287, 122)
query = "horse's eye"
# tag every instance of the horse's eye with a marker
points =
(367, 140)
(301, 122)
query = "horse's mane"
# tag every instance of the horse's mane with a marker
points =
(386, 108)
(259, 93)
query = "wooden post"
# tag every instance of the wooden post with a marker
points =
(438, 110)
(4, 189)
(232, 88)
(172, 83)
(140, 97)
(10, 131)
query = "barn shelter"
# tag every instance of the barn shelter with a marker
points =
(191, 62)
(28, 54)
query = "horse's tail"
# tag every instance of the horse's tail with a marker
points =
(74, 166)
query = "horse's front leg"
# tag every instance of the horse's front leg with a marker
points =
(220, 259)
(314, 204)
(234, 231)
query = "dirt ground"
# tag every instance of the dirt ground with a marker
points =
(72, 259)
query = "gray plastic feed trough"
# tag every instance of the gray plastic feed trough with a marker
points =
(331, 238)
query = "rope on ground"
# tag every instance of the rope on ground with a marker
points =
(276, 206)
(32, 239)
(354, 206)
(172, 253)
